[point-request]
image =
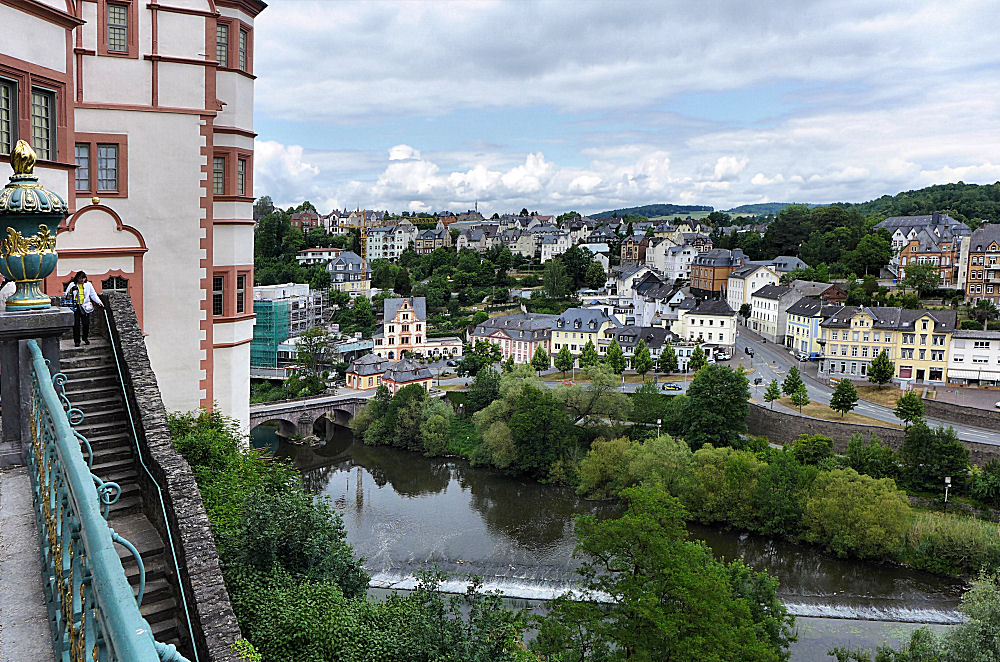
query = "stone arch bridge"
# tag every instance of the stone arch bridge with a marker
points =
(300, 415)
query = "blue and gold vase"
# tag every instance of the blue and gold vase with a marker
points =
(27, 246)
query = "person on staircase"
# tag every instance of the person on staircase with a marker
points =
(84, 297)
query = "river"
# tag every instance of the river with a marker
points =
(403, 512)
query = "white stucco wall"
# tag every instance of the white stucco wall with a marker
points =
(47, 45)
(181, 85)
(164, 206)
(233, 394)
(232, 245)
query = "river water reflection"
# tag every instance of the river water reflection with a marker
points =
(404, 512)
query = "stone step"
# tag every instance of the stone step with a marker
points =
(97, 414)
(79, 393)
(95, 429)
(159, 610)
(109, 446)
(108, 466)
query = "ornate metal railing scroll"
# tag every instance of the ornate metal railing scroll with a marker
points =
(93, 612)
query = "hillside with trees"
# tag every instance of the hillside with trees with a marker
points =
(652, 211)
(969, 203)
(762, 208)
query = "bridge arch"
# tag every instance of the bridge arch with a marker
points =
(284, 427)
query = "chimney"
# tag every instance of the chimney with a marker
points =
(936, 217)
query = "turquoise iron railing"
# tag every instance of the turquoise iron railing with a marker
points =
(93, 612)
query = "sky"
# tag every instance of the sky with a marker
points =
(588, 106)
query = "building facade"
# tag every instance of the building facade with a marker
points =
(387, 242)
(707, 321)
(982, 269)
(141, 115)
(349, 273)
(517, 336)
(974, 358)
(746, 280)
(578, 326)
(710, 271)
(917, 341)
(404, 329)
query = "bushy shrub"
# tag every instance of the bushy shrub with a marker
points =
(872, 457)
(947, 543)
(812, 448)
(780, 498)
(984, 483)
(721, 486)
(855, 515)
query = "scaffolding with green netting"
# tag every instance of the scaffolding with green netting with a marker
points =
(270, 330)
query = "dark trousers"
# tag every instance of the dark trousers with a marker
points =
(81, 325)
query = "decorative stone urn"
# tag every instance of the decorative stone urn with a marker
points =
(27, 247)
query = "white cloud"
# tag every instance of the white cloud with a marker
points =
(402, 153)
(729, 167)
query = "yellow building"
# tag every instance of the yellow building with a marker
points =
(576, 326)
(917, 342)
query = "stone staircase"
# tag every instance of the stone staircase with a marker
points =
(93, 386)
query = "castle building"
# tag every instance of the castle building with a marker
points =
(141, 115)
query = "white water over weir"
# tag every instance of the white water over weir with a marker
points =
(526, 590)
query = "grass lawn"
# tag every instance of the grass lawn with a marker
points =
(886, 396)
(819, 410)
(451, 387)
(630, 378)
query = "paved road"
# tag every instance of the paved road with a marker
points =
(772, 361)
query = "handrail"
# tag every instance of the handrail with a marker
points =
(159, 490)
(92, 610)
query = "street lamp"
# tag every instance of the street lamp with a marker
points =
(947, 484)
(659, 422)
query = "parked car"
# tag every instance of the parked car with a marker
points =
(569, 382)
(674, 386)
(723, 356)
(451, 364)
(801, 356)
(997, 405)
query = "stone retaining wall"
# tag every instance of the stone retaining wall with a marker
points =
(947, 411)
(213, 620)
(784, 428)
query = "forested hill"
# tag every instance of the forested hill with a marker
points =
(652, 211)
(761, 208)
(964, 202)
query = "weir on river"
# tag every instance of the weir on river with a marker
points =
(404, 512)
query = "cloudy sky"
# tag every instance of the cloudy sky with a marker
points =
(582, 105)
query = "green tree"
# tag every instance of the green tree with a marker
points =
(642, 362)
(314, 350)
(382, 274)
(929, 455)
(480, 355)
(922, 277)
(872, 253)
(614, 357)
(589, 356)
(716, 407)
(772, 393)
(782, 488)
(667, 362)
(596, 277)
(564, 359)
(812, 449)
(909, 408)
(485, 388)
(745, 312)
(666, 597)
(844, 398)
(697, 360)
(556, 279)
(881, 370)
(800, 398)
(541, 431)
(872, 457)
(793, 381)
(540, 360)
(855, 515)
(402, 283)
(362, 316)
